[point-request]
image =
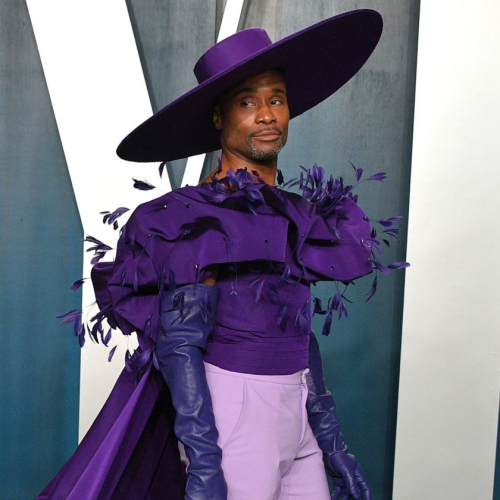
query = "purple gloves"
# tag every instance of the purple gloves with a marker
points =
(187, 318)
(347, 475)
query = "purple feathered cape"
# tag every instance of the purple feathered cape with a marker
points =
(130, 452)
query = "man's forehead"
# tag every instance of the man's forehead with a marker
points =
(272, 78)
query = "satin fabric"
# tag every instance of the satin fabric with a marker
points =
(130, 452)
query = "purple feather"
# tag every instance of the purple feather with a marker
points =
(81, 337)
(380, 267)
(334, 230)
(142, 185)
(374, 244)
(178, 303)
(99, 245)
(258, 291)
(77, 325)
(258, 177)
(128, 358)
(327, 324)
(377, 177)
(285, 275)
(141, 357)
(110, 218)
(147, 327)
(339, 306)
(392, 232)
(77, 284)
(325, 195)
(254, 195)
(373, 289)
(304, 318)
(107, 338)
(358, 171)
(112, 353)
(70, 316)
(97, 257)
(281, 179)
(162, 166)
(385, 223)
(93, 332)
(155, 361)
(282, 317)
(171, 280)
(398, 265)
(136, 282)
(241, 180)
(317, 309)
(99, 249)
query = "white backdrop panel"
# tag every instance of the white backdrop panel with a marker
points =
(449, 386)
(99, 95)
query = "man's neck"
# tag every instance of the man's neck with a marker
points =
(265, 170)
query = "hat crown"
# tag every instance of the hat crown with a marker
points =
(230, 52)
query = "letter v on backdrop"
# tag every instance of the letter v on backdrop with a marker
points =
(91, 71)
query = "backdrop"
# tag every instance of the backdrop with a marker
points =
(368, 122)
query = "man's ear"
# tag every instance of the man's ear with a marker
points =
(217, 118)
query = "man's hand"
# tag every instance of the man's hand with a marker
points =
(347, 476)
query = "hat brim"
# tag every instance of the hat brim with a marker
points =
(316, 61)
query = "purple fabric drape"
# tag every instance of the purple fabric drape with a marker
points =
(130, 452)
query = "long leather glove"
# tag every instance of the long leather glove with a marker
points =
(187, 318)
(347, 475)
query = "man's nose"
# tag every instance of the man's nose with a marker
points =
(265, 114)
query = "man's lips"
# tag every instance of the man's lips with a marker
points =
(268, 134)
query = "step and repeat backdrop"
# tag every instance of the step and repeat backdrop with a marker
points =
(414, 372)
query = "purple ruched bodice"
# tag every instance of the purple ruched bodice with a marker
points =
(259, 327)
(267, 255)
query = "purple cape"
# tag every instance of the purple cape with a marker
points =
(130, 452)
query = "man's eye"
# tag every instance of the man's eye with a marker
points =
(246, 104)
(276, 101)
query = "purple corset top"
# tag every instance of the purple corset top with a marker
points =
(262, 322)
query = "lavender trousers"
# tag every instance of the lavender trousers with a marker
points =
(268, 449)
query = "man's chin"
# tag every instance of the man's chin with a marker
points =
(265, 155)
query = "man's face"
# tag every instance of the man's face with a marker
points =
(253, 118)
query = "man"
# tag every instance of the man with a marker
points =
(215, 281)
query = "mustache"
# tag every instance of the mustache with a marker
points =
(267, 129)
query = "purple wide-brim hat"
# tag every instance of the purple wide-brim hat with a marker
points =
(316, 62)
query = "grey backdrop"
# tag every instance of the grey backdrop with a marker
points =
(41, 253)
(368, 122)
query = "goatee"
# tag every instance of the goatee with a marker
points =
(265, 154)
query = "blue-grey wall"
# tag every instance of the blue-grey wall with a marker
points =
(368, 122)
(41, 254)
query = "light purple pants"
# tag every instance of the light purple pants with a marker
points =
(268, 449)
